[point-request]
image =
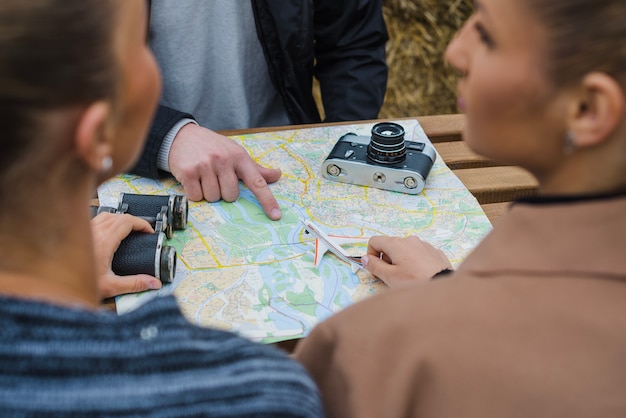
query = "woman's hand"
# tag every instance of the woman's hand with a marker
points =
(109, 229)
(396, 260)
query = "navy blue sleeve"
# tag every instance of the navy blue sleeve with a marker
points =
(164, 120)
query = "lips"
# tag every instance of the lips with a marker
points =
(460, 102)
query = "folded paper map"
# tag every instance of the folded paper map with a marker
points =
(238, 270)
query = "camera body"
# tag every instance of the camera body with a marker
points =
(143, 253)
(384, 161)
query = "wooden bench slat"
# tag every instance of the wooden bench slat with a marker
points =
(457, 155)
(498, 184)
(495, 210)
(443, 128)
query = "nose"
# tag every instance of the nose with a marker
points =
(456, 53)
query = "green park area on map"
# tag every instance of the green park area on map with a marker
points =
(237, 270)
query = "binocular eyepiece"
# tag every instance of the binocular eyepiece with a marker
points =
(147, 253)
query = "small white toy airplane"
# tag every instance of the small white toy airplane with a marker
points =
(325, 243)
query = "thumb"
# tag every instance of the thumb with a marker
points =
(377, 267)
(113, 285)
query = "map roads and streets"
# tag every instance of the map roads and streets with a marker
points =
(238, 270)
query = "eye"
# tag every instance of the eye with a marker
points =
(484, 35)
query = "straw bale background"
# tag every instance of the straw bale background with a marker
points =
(420, 83)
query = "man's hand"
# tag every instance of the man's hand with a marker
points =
(395, 260)
(210, 165)
(109, 229)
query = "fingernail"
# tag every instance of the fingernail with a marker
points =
(275, 214)
(364, 260)
(154, 285)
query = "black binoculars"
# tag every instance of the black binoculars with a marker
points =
(147, 253)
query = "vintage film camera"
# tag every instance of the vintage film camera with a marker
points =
(147, 253)
(384, 160)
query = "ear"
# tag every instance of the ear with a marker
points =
(91, 137)
(597, 111)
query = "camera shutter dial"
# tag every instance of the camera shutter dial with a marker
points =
(333, 170)
(410, 182)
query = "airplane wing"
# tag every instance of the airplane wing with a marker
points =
(325, 243)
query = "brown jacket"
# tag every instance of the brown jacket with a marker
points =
(533, 324)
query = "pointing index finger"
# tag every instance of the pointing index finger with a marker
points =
(252, 177)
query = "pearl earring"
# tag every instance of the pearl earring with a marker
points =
(569, 145)
(107, 164)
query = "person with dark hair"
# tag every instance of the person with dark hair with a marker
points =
(533, 322)
(78, 89)
(247, 64)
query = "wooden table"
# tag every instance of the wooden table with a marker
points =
(493, 185)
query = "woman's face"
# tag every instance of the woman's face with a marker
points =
(514, 114)
(140, 84)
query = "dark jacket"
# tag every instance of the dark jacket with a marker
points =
(340, 42)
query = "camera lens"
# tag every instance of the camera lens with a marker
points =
(387, 144)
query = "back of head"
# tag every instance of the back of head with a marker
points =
(589, 37)
(584, 36)
(55, 55)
